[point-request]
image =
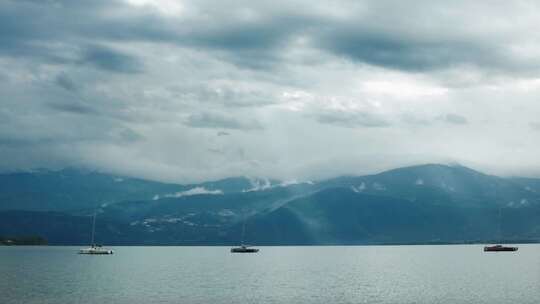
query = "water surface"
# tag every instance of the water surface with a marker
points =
(333, 274)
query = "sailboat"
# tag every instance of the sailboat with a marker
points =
(499, 248)
(244, 248)
(95, 249)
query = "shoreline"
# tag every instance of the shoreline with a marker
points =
(515, 242)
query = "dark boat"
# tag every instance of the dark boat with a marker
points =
(244, 249)
(499, 248)
(496, 248)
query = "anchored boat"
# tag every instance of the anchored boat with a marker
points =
(499, 248)
(95, 249)
(244, 249)
(496, 248)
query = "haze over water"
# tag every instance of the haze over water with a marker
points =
(333, 274)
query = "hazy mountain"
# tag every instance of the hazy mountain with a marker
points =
(343, 216)
(73, 189)
(529, 184)
(428, 203)
(441, 184)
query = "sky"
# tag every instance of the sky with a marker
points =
(186, 91)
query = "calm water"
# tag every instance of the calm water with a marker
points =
(370, 274)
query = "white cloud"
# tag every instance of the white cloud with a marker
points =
(404, 89)
(190, 192)
(166, 7)
(360, 188)
(295, 182)
(258, 184)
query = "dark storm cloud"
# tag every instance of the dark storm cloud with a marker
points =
(426, 36)
(37, 28)
(26, 27)
(352, 119)
(260, 42)
(65, 82)
(111, 60)
(220, 121)
(74, 107)
(393, 51)
(256, 44)
(58, 32)
(240, 36)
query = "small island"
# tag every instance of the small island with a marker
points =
(22, 240)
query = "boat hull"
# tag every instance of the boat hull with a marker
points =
(499, 248)
(95, 251)
(244, 250)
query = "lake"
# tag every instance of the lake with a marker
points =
(317, 274)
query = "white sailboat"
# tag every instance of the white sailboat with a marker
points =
(95, 249)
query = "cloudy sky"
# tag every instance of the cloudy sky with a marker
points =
(195, 90)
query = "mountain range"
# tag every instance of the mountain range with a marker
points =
(430, 203)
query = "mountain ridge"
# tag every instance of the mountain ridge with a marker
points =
(425, 203)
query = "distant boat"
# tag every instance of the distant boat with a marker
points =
(95, 249)
(244, 248)
(499, 248)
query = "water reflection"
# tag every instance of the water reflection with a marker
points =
(382, 274)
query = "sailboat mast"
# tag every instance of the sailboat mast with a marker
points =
(500, 224)
(93, 228)
(243, 231)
